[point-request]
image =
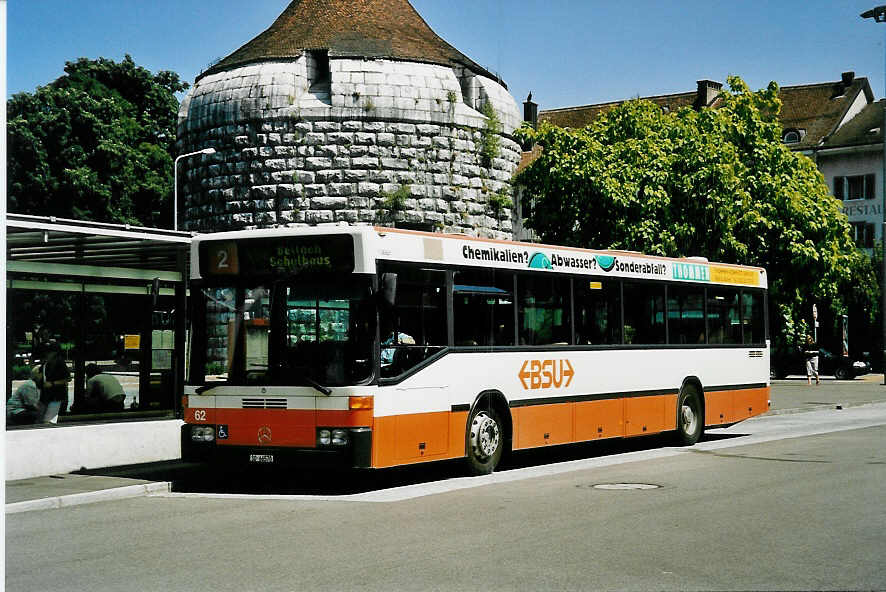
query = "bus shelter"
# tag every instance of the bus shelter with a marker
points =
(106, 294)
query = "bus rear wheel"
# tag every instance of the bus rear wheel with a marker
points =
(485, 441)
(690, 418)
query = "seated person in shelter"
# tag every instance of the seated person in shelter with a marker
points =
(103, 391)
(24, 406)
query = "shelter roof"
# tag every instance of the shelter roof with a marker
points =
(46, 240)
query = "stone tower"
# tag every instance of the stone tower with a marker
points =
(349, 110)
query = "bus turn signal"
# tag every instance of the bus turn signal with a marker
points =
(360, 402)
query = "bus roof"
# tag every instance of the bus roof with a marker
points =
(381, 243)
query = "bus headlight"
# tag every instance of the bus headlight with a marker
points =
(202, 433)
(332, 437)
(339, 437)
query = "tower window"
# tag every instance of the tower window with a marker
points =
(318, 67)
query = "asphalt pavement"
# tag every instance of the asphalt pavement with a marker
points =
(790, 395)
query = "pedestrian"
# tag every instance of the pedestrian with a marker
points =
(56, 377)
(810, 352)
(103, 391)
(24, 406)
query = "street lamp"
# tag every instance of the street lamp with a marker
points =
(879, 16)
(175, 182)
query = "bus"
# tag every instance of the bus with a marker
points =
(370, 347)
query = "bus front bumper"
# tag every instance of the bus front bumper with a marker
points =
(356, 454)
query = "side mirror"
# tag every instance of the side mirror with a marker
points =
(388, 289)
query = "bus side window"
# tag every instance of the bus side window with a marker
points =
(483, 308)
(723, 316)
(644, 313)
(597, 312)
(543, 310)
(686, 314)
(415, 328)
(752, 317)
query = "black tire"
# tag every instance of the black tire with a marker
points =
(485, 441)
(842, 373)
(690, 416)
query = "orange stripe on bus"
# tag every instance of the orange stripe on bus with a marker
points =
(418, 437)
(723, 407)
(563, 423)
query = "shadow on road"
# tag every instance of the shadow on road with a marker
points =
(196, 478)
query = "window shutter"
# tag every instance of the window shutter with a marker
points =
(869, 190)
(838, 187)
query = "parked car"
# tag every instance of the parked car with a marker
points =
(782, 363)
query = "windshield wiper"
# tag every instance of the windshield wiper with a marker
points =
(303, 374)
(325, 390)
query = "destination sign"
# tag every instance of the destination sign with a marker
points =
(278, 256)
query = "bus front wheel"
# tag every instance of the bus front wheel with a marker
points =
(690, 417)
(485, 441)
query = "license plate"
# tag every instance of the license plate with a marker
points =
(261, 458)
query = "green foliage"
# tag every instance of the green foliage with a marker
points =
(717, 183)
(499, 202)
(490, 145)
(393, 202)
(96, 144)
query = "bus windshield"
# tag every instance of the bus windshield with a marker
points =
(286, 332)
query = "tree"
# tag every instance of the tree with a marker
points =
(716, 183)
(95, 144)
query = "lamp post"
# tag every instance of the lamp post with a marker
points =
(879, 16)
(175, 182)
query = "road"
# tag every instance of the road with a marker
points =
(787, 501)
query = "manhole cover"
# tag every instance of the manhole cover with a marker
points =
(625, 486)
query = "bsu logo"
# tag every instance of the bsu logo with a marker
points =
(542, 374)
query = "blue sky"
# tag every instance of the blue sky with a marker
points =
(567, 52)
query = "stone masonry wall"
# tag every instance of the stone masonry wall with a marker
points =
(385, 141)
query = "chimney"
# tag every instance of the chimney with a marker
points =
(847, 78)
(530, 111)
(707, 92)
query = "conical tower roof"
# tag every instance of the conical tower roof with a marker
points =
(350, 28)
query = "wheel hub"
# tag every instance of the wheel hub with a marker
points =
(485, 435)
(689, 419)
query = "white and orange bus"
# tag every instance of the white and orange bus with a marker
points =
(374, 347)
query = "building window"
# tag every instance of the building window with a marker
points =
(791, 137)
(855, 187)
(863, 234)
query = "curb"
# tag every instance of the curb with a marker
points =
(836, 406)
(89, 497)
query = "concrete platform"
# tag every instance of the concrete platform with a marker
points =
(38, 451)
